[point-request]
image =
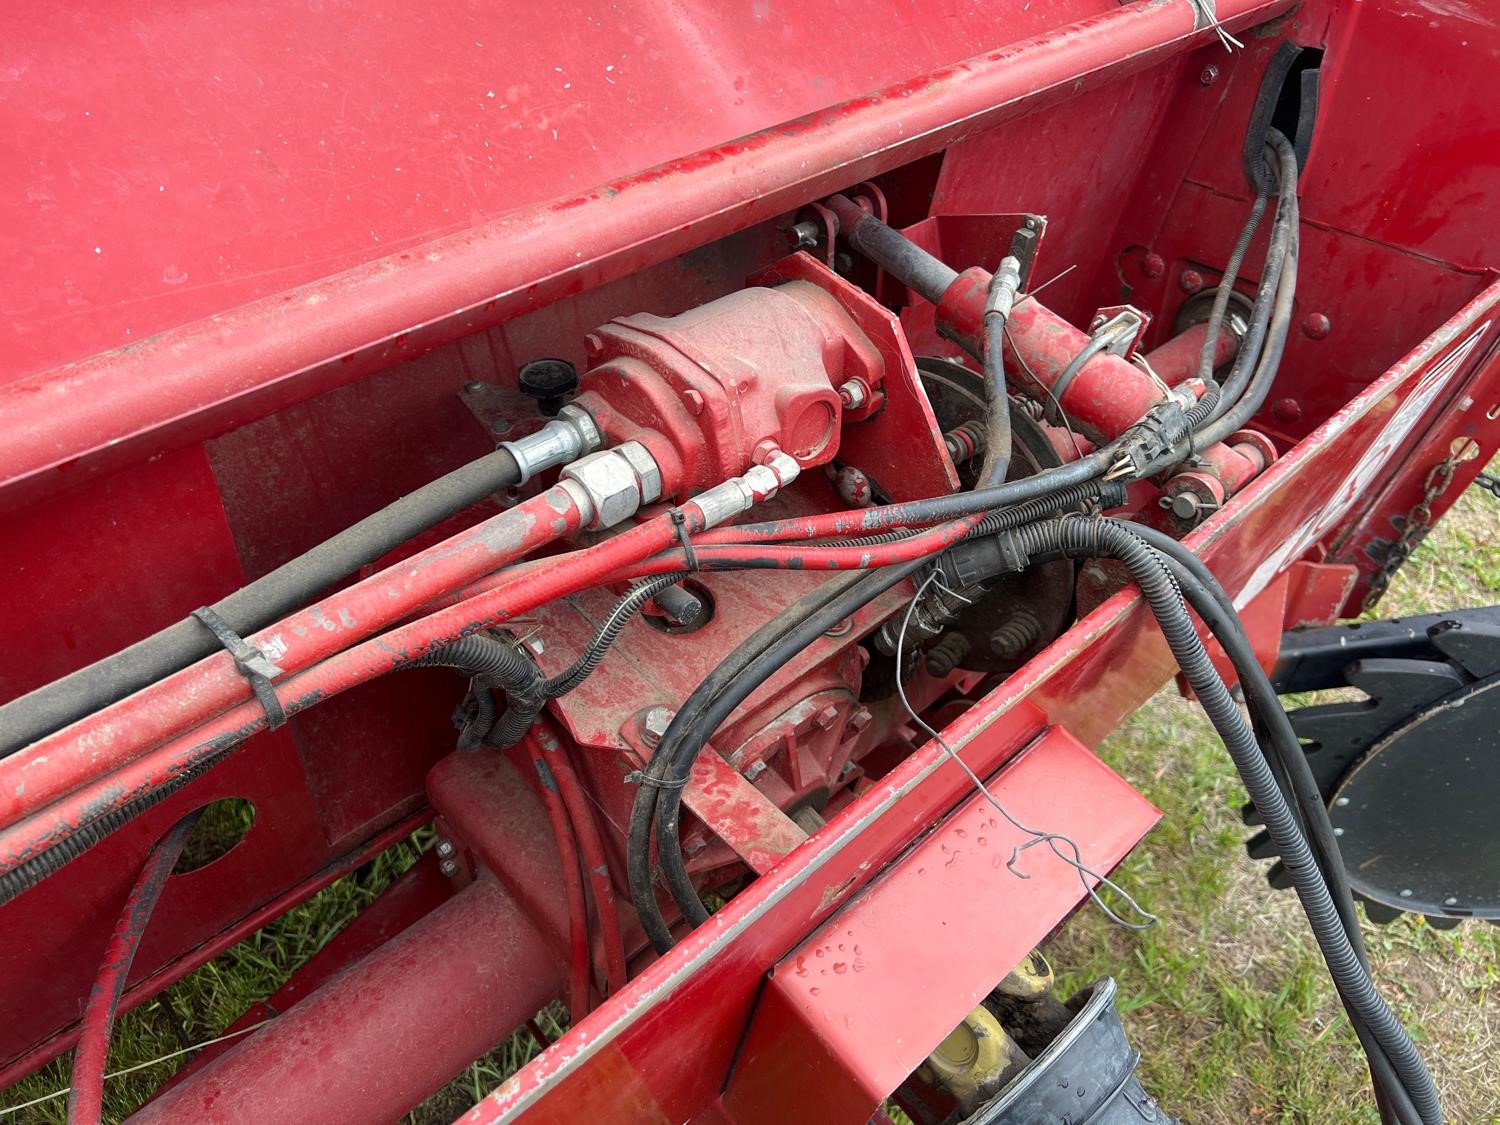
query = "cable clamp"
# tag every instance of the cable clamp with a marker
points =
(679, 520)
(640, 777)
(253, 664)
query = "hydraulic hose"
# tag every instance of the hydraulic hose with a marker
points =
(659, 796)
(197, 694)
(1214, 327)
(86, 1090)
(50, 708)
(1250, 358)
(1115, 540)
(995, 465)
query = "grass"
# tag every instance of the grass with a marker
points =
(1226, 998)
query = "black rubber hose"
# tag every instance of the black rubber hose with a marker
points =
(1246, 406)
(658, 800)
(995, 466)
(1113, 539)
(723, 704)
(1249, 359)
(643, 809)
(56, 705)
(1216, 315)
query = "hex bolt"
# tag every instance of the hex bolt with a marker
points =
(693, 401)
(655, 724)
(1191, 281)
(852, 394)
(827, 717)
(754, 770)
(1153, 265)
(859, 720)
(444, 848)
(448, 868)
(1208, 76)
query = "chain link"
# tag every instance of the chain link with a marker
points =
(1414, 528)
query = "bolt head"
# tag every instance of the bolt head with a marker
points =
(1286, 410)
(473, 387)
(448, 868)
(1316, 326)
(693, 401)
(1191, 281)
(593, 346)
(1153, 265)
(754, 770)
(444, 848)
(1209, 75)
(655, 725)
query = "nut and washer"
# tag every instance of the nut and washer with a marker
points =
(853, 395)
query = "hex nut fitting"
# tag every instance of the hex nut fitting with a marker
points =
(616, 482)
(566, 438)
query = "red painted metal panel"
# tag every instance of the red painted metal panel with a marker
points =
(837, 1028)
(210, 375)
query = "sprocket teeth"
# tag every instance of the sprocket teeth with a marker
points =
(1278, 878)
(1475, 646)
(1260, 847)
(1439, 922)
(1380, 913)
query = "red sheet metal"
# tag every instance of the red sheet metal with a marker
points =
(836, 1029)
(209, 375)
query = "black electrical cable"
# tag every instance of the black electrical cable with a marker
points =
(507, 665)
(723, 703)
(607, 633)
(1254, 397)
(652, 778)
(1283, 233)
(658, 799)
(1273, 729)
(50, 708)
(1113, 539)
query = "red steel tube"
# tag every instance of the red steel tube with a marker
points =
(377, 1039)
(60, 762)
(567, 851)
(187, 383)
(1176, 361)
(596, 862)
(86, 1092)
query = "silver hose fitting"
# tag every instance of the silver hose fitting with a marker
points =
(566, 438)
(1002, 295)
(613, 485)
(740, 494)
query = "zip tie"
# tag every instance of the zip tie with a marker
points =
(640, 777)
(679, 519)
(253, 664)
